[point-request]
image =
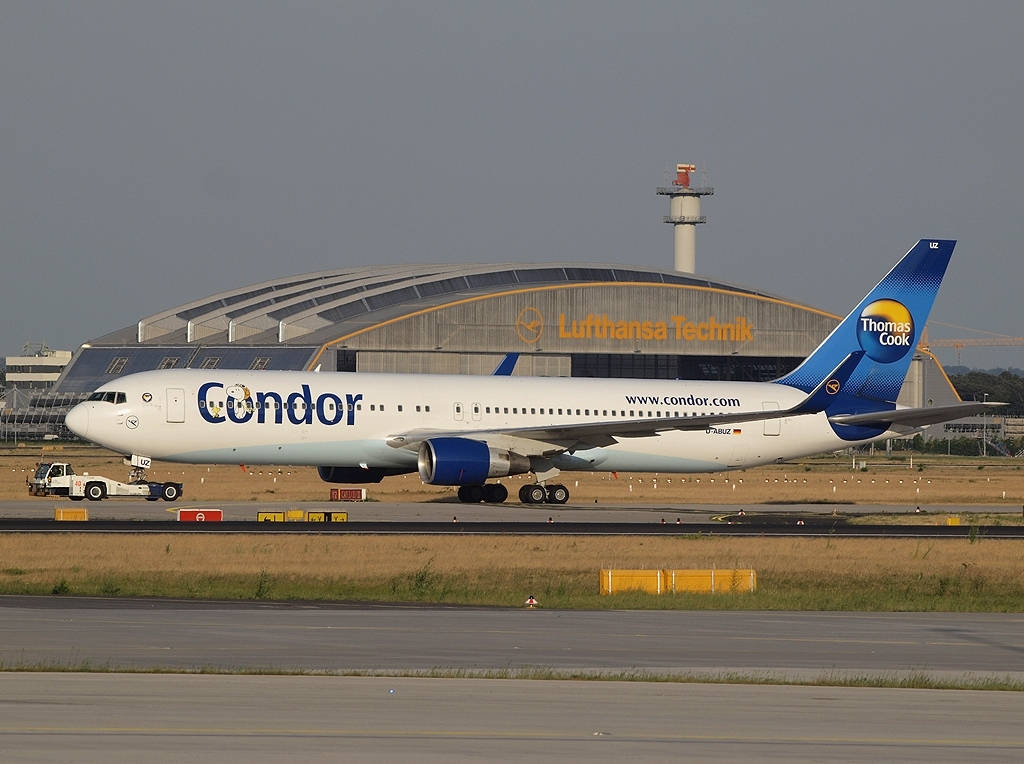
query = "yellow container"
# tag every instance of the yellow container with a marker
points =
(60, 513)
(270, 517)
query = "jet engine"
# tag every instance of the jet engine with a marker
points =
(461, 461)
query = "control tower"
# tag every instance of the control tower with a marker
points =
(684, 215)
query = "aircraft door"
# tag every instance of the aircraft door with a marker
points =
(458, 413)
(772, 426)
(476, 412)
(175, 404)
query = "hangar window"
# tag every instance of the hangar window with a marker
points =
(260, 363)
(168, 362)
(491, 279)
(117, 365)
(534, 275)
(210, 362)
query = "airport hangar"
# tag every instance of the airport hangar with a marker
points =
(564, 319)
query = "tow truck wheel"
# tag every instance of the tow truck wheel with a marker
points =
(94, 491)
(557, 494)
(170, 492)
(495, 493)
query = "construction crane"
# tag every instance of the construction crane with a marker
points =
(994, 340)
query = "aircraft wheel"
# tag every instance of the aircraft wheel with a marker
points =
(471, 494)
(532, 494)
(557, 494)
(170, 492)
(495, 493)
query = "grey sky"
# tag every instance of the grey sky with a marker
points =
(154, 153)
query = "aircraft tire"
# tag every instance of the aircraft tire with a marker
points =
(557, 494)
(495, 493)
(471, 494)
(533, 494)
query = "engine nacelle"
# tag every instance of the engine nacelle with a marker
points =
(356, 474)
(461, 461)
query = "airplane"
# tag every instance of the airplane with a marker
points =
(459, 430)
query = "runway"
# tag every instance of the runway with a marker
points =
(124, 717)
(185, 635)
(97, 718)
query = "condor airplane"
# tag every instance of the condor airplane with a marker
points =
(462, 430)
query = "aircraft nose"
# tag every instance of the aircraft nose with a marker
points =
(77, 420)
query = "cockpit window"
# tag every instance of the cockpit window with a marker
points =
(109, 397)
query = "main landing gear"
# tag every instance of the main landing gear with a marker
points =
(538, 494)
(496, 493)
(491, 493)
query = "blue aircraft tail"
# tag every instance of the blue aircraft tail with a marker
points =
(886, 326)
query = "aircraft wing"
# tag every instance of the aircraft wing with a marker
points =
(916, 417)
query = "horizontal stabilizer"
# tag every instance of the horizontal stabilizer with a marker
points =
(918, 417)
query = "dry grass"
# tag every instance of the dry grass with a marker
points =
(824, 480)
(793, 573)
(42, 556)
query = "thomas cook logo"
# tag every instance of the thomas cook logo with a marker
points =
(832, 386)
(885, 330)
(529, 325)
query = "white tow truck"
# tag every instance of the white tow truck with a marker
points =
(59, 479)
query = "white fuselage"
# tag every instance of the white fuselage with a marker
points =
(346, 419)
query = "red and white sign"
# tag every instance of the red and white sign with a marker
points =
(200, 515)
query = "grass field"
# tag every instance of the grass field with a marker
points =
(793, 573)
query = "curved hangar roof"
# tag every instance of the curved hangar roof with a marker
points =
(316, 308)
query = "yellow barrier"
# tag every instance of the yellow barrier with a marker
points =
(952, 521)
(59, 513)
(295, 515)
(679, 580)
(326, 517)
(614, 581)
(270, 517)
(711, 581)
